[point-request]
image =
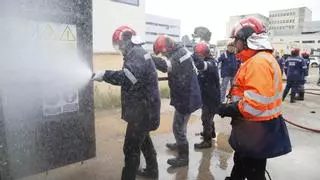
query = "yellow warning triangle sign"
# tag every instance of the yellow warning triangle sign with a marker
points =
(48, 31)
(67, 35)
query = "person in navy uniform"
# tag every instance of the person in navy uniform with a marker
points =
(184, 92)
(296, 69)
(140, 101)
(229, 67)
(210, 91)
(305, 56)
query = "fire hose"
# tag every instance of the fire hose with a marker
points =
(304, 127)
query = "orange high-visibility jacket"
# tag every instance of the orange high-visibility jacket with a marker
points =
(258, 86)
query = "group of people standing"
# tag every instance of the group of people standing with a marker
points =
(296, 68)
(194, 83)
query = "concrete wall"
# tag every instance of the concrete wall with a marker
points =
(301, 39)
(288, 21)
(108, 15)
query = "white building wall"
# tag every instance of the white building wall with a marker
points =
(108, 15)
(157, 25)
(310, 40)
(288, 21)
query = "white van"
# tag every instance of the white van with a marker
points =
(314, 61)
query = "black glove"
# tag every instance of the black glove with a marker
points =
(229, 110)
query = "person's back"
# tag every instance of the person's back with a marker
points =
(210, 92)
(295, 67)
(140, 101)
(210, 84)
(183, 83)
(182, 80)
(184, 92)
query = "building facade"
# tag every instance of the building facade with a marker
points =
(110, 14)
(288, 21)
(287, 28)
(158, 25)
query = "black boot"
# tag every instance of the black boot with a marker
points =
(127, 174)
(183, 156)
(151, 173)
(213, 132)
(292, 97)
(301, 96)
(206, 143)
(172, 146)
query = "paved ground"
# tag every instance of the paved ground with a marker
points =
(215, 163)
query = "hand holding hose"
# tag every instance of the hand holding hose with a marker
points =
(98, 76)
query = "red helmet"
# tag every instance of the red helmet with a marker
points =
(246, 27)
(122, 34)
(295, 52)
(202, 49)
(305, 54)
(163, 44)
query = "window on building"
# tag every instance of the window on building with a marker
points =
(151, 33)
(308, 42)
(318, 41)
(151, 23)
(173, 35)
(131, 2)
(297, 41)
(164, 25)
(174, 26)
(287, 21)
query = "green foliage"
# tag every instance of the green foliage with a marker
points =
(106, 100)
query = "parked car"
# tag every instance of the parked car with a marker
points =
(314, 61)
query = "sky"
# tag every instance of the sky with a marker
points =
(214, 14)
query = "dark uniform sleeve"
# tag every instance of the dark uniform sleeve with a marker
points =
(221, 58)
(285, 68)
(304, 67)
(213, 67)
(161, 64)
(120, 77)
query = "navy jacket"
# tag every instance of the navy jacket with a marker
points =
(139, 89)
(229, 64)
(209, 82)
(261, 139)
(182, 78)
(295, 68)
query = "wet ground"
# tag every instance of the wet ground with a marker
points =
(215, 163)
